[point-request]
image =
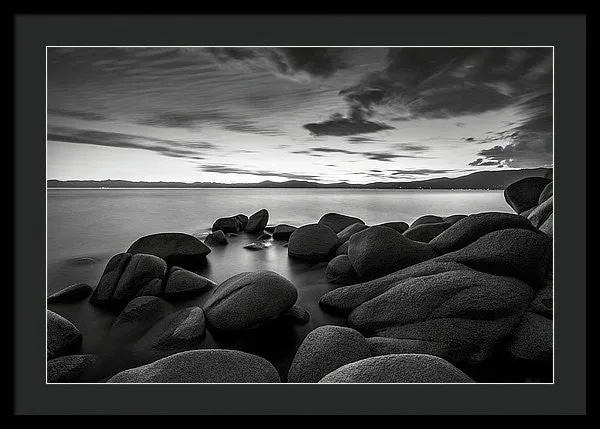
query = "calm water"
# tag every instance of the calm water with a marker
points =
(87, 226)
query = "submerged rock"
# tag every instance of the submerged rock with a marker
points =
(314, 242)
(217, 238)
(257, 222)
(248, 300)
(63, 337)
(68, 369)
(325, 349)
(72, 293)
(175, 248)
(203, 366)
(426, 232)
(283, 231)
(337, 222)
(377, 251)
(340, 271)
(398, 368)
(525, 193)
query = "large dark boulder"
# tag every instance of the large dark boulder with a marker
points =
(345, 234)
(398, 226)
(473, 227)
(314, 242)
(248, 300)
(63, 337)
(203, 366)
(547, 192)
(532, 339)
(183, 283)
(217, 238)
(175, 248)
(127, 276)
(541, 213)
(257, 222)
(337, 221)
(378, 250)
(427, 219)
(519, 253)
(232, 224)
(325, 349)
(452, 219)
(426, 232)
(340, 271)
(342, 249)
(398, 368)
(69, 369)
(345, 299)
(283, 231)
(72, 293)
(525, 193)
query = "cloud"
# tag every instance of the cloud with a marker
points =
(222, 169)
(481, 162)
(410, 147)
(340, 126)
(78, 114)
(362, 140)
(171, 148)
(290, 63)
(377, 156)
(420, 172)
(226, 120)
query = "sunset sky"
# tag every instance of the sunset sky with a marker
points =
(322, 114)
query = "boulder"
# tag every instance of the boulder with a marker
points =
(427, 219)
(454, 218)
(345, 299)
(63, 337)
(179, 330)
(543, 303)
(203, 366)
(325, 349)
(314, 242)
(297, 315)
(337, 222)
(425, 232)
(473, 227)
(377, 251)
(398, 226)
(340, 271)
(541, 213)
(380, 346)
(248, 300)
(525, 193)
(73, 293)
(342, 249)
(532, 339)
(547, 192)
(232, 224)
(68, 369)
(175, 248)
(283, 231)
(398, 368)
(345, 234)
(243, 220)
(527, 212)
(139, 315)
(257, 222)
(519, 253)
(183, 283)
(217, 238)
(548, 226)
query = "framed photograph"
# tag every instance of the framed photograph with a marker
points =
(358, 221)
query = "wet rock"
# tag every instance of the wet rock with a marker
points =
(183, 283)
(178, 331)
(426, 231)
(340, 271)
(257, 222)
(63, 337)
(377, 251)
(532, 340)
(473, 227)
(525, 193)
(232, 224)
(398, 368)
(454, 218)
(217, 238)
(72, 293)
(283, 231)
(546, 193)
(296, 314)
(337, 222)
(314, 242)
(342, 249)
(175, 248)
(324, 350)
(248, 300)
(398, 226)
(345, 234)
(203, 366)
(68, 369)
(541, 213)
(258, 245)
(427, 219)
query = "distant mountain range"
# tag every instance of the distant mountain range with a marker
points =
(478, 180)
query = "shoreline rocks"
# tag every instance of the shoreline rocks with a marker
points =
(72, 293)
(257, 222)
(525, 193)
(313, 242)
(173, 247)
(338, 222)
(63, 337)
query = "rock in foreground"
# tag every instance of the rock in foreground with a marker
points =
(63, 336)
(71, 368)
(203, 366)
(525, 193)
(398, 368)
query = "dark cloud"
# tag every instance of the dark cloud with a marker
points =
(171, 148)
(377, 156)
(340, 126)
(236, 170)
(420, 172)
(362, 140)
(286, 62)
(78, 114)
(226, 120)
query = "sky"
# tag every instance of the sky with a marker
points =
(244, 114)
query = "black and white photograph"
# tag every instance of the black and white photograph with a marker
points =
(318, 214)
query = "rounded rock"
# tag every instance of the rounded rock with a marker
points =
(175, 248)
(314, 242)
(283, 231)
(337, 221)
(72, 293)
(340, 271)
(426, 232)
(63, 337)
(525, 193)
(257, 222)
